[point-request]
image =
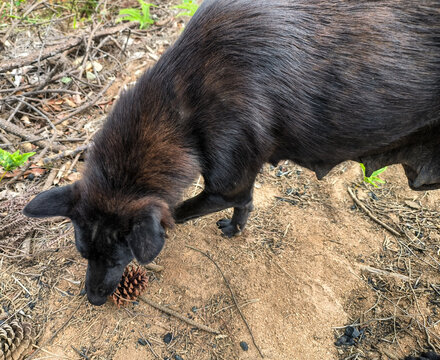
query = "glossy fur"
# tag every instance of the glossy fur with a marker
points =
(248, 82)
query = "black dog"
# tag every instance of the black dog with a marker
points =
(248, 82)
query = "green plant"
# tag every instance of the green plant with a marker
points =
(142, 17)
(374, 177)
(190, 6)
(12, 161)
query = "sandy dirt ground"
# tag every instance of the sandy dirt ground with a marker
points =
(296, 272)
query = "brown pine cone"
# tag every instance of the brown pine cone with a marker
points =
(133, 283)
(15, 339)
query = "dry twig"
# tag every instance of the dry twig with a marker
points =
(368, 212)
(178, 316)
(232, 295)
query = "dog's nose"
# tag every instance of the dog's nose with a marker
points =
(97, 300)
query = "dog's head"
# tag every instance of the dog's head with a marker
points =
(109, 236)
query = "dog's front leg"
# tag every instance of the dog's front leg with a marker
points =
(202, 204)
(206, 203)
(234, 226)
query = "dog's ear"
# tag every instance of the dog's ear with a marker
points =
(54, 202)
(147, 237)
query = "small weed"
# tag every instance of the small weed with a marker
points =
(374, 178)
(141, 16)
(12, 161)
(190, 6)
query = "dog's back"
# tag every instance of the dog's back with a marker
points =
(318, 82)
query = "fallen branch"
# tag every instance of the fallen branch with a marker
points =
(62, 155)
(178, 316)
(368, 212)
(23, 134)
(50, 51)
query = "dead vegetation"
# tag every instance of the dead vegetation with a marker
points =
(404, 276)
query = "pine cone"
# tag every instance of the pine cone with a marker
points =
(133, 283)
(15, 340)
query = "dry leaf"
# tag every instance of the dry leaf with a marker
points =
(77, 99)
(70, 102)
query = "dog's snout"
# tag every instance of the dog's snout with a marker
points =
(96, 296)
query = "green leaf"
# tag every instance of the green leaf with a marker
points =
(379, 180)
(130, 15)
(363, 168)
(12, 161)
(380, 171)
(189, 5)
(66, 80)
(374, 178)
(142, 17)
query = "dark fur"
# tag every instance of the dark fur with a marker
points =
(248, 82)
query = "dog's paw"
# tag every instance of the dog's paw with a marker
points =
(228, 228)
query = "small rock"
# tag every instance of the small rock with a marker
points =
(177, 357)
(142, 342)
(194, 309)
(344, 340)
(167, 338)
(349, 331)
(352, 332)
(244, 346)
(373, 195)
